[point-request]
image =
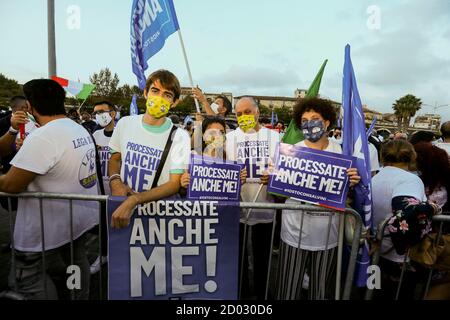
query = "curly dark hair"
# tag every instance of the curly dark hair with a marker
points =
(321, 106)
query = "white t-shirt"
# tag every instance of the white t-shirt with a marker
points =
(104, 153)
(389, 183)
(315, 224)
(373, 153)
(256, 150)
(141, 151)
(62, 155)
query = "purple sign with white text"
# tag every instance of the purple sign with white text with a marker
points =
(213, 179)
(310, 175)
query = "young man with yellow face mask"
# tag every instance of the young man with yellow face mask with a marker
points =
(255, 146)
(137, 146)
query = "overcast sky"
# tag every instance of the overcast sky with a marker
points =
(256, 47)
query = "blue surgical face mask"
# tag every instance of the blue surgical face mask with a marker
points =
(313, 130)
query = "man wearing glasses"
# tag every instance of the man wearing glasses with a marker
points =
(105, 115)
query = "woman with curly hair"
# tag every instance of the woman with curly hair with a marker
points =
(308, 250)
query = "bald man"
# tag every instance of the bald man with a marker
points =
(254, 145)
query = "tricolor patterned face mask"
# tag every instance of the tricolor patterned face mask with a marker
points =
(157, 106)
(246, 122)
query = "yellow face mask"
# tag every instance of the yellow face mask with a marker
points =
(157, 106)
(246, 122)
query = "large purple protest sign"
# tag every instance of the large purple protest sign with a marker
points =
(213, 180)
(310, 175)
(175, 249)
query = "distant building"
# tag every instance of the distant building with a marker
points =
(427, 121)
(369, 115)
(389, 118)
(271, 101)
(276, 102)
(300, 93)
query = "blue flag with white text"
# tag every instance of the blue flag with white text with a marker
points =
(355, 144)
(152, 22)
(134, 110)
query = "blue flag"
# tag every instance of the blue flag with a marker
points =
(355, 144)
(134, 110)
(372, 126)
(274, 120)
(152, 22)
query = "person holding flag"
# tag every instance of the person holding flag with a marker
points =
(221, 105)
(314, 254)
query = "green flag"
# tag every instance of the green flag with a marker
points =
(293, 135)
(85, 91)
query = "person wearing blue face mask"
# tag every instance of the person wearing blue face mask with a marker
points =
(310, 261)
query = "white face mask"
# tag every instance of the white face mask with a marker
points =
(103, 119)
(215, 107)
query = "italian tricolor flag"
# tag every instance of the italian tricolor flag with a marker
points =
(77, 89)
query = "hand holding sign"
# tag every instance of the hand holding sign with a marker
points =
(353, 176)
(184, 181)
(121, 217)
(243, 175)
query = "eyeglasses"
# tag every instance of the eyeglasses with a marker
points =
(99, 112)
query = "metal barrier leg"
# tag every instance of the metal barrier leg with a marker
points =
(44, 272)
(100, 249)
(430, 273)
(270, 257)
(13, 250)
(324, 264)
(353, 255)
(405, 263)
(337, 292)
(72, 292)
(244, 251)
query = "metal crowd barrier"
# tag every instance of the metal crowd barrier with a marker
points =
(381, 234)
(339, 294)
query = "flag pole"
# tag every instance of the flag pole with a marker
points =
(188, 68)
(81, 106)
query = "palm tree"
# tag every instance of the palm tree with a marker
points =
(405, 108)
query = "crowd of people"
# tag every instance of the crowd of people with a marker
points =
(65, 152)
